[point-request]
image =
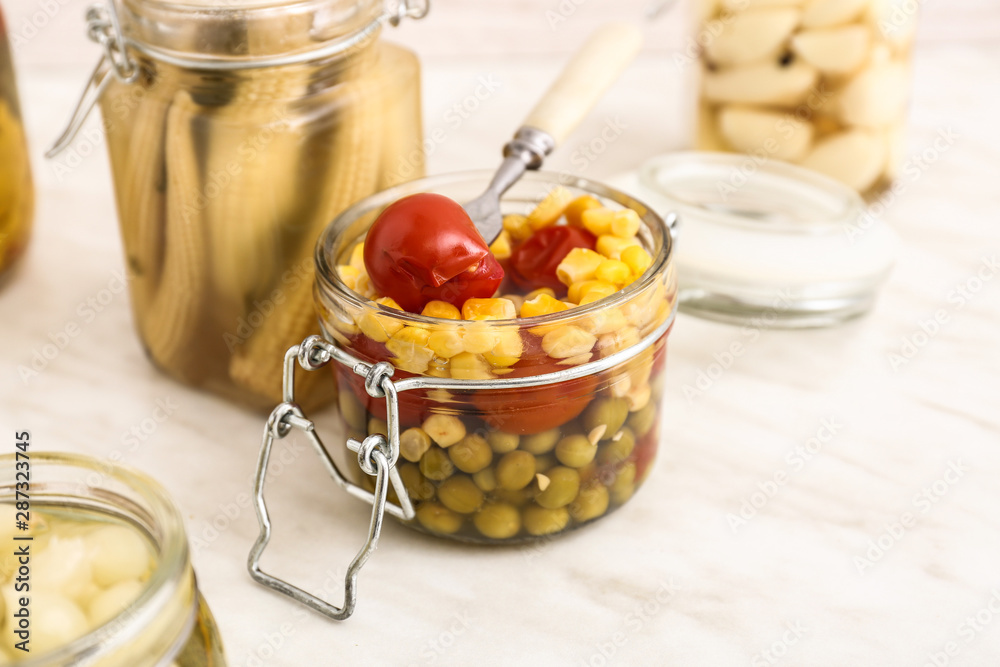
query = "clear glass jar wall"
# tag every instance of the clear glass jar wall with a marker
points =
(224, 179)
(109, 580)
(17, 197)
(509, 464)
(820, 83)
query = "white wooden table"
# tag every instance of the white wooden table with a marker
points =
(881, 546)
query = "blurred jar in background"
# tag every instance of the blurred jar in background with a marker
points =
(241, 129)
(821, 83)
(16, 192)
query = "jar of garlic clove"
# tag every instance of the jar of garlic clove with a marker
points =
(820, 83)
(16, 190)
(96, 569)
(237, 129)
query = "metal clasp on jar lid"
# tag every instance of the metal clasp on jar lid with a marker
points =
(377, 454)
(104, 28)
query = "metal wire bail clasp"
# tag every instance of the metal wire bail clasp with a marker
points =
(377, 456)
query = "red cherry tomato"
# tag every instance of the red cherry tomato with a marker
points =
(535, 409)
(535, 261)
(424, 248)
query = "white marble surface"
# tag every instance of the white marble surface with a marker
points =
(665, 581)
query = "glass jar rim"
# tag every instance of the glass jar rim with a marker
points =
(780, 192)
(328, 279)
(296, 31)
(170, 543)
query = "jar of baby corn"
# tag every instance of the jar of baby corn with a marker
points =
(820, 83)
(237, 130)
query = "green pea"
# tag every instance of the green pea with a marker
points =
(438, 519)
(609, 413)
(351, 410)
(418, 486)
(503, 442)
(618, 449)
(413, 444)
(540, 443)
(460, 494)
(623, 485)
(435, 464)
(575, 451)
(541, 521)
(485, 479)
(498, 521)
(471, 454)
(590, 503)
(564, 484)
(515, 470)
(642, 421)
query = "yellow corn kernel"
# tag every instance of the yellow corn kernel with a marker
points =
(626, 224)
(364, 287)
(579, 265)
(551, 208)
(578, 360)
(612, 246)
(637, 259)
(468, 366)
(410, 347)
(568, 341)
(507, 351)
(441, 310)
(593, 290)
(541, 290)
(606, 320)
(595, 295)
(501, 247)
(598, 221)
(638, 397)
(380, 327)
(515, 299)
(479, 341)
(574, 212)
(488, 309)
(445, 430)
(617, 341)
(613, 271)
(349, 275)
(576, 290)
(517, 226)
(446, 343)
(543, 304)
(358, 257)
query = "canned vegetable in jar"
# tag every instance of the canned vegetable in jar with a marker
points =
(16, 190)
(108, 574)
(236, 131)
(820, 83)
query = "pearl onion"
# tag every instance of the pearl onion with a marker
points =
(63, 566)
(55, 621)
(118, 554)
(113, 601)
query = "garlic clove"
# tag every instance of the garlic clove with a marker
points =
(856, 157)
(764, 83)
(777, 135)
(829, 13)
(876, 97)
(752, 35)
(835, 51)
